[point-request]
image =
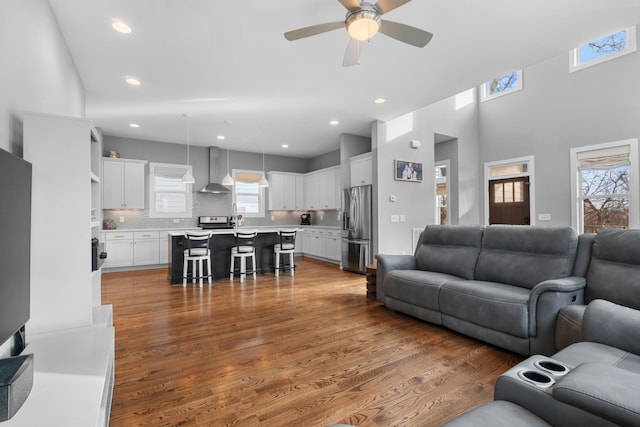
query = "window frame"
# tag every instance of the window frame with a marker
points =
(153, 213)
(574, 54)
(577, 217)
(261, 194)
(484, 93)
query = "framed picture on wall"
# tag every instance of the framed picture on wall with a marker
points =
(407, 171)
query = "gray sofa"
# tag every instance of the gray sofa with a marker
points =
(501, 284)
(599, 387)
(613, 274)
(600, 348)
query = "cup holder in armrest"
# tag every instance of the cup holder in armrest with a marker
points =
(552, 367)
(536, 378)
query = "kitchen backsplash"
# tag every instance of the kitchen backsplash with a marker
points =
(205, 204)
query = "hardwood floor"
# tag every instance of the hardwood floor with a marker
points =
(309, 351)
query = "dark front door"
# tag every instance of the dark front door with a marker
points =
(509, 201)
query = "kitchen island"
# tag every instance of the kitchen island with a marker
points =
(221, 242)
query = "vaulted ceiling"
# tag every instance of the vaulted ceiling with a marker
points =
(228, 65)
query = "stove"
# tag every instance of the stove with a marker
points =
(214, 222)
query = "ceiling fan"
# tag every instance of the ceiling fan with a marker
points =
(362, 23)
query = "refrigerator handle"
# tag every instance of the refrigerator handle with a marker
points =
(354, 212)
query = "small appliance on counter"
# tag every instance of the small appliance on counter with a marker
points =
(214, 222)
(305, 219)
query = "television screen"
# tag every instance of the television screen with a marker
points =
(15, 243)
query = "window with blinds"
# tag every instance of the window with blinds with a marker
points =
(169, 197)
(604, 195)
(248, 195)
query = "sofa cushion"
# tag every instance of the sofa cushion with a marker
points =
(421, 288)
(615, 267)
(592, 352)
(493, 305)
(524, 255)
(449, 249)
(498, 413)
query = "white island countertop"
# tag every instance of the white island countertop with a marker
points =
(258, 229)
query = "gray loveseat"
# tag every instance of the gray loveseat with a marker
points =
(501, 284)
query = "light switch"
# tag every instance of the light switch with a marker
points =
(395, 218)
(544, 217)
(403, 218)
(121, 219)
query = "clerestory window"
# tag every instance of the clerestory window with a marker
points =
(605, 48)
(502, 85)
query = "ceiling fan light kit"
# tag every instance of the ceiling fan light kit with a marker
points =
(362, 22)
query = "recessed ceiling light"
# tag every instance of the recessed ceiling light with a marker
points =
(120, 26)
(285, 146)
(379, 100)
(132, 81)
(220, 137)
(334, 122)
(134, 125)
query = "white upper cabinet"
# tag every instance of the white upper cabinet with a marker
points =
(321, 187)
(122, 183)
(285, 191)
(361, 170)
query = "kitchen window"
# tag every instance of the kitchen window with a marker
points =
(169, 197)
(247, 193)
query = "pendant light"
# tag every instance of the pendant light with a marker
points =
(263, 181)
(188, 178)
(227, 181)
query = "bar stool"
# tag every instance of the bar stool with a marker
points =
(244, 249)
(198, 250)
(287, 245)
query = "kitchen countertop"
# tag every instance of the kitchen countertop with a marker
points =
(259, 228)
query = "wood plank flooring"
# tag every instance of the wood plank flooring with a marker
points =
(305, 351)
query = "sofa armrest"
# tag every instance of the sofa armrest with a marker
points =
(615, 325)
(564, 285)
(387, 263)
(609, 392)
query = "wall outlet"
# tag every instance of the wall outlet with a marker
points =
(121, 219)
(273, 217)
(176, 220)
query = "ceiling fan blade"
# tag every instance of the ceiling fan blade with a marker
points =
(313, 30)
(352, 55)
(405, 33)
(384, 6)
(350, 5)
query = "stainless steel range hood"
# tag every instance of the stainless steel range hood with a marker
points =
(214, 187)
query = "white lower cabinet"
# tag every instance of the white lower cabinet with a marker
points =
(119, 248)
(164, 247)
(333, 248)
(136, 248)
(323, 243)
(146, 248)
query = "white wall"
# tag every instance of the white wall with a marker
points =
(37, 72)
(391, 141)
(558, 110)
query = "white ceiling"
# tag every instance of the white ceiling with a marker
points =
(228, 64)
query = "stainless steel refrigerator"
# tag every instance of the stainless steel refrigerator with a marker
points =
(356, 228)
